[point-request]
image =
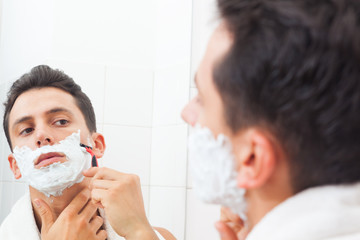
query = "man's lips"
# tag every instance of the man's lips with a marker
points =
(49, 158)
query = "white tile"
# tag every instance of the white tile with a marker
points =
(204, 22)
(7, 192)
(189, 183)
(193, 92)
(128, 96)
(1, 200)
(91, 79)
(146, 197)
(24, 44)
(200, 219)
(5, 172)
(100, 128)
(167, 209)
(128, 150)
(168, 156)
(3, 91)
(171, 93)
(2, 154)
(116, 31)
(173, 32)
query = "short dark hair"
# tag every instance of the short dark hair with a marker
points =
(43, 76)
(294, 70)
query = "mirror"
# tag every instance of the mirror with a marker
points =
(136, 61)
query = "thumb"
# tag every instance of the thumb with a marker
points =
(46, 216)
(226, 233)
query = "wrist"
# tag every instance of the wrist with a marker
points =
(144, 233)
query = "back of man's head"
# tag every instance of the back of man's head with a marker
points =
(43, 76)
(294, 69)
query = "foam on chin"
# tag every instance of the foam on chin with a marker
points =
(212, 167)
(55, 178)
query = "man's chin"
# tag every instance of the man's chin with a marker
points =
(67, 193)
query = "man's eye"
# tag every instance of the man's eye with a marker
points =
(61, 122)
(26, 131)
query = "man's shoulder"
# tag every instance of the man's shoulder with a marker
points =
(20, 221)
(17, 208)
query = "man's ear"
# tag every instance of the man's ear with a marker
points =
(14, 167)
(256, 156)
(99, 144)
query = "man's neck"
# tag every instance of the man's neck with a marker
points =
(262, 200)
(56, 204)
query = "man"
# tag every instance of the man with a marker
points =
(279, 104)
(46, 110)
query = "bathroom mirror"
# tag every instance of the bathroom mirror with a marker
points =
(136, 61)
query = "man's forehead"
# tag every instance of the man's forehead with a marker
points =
(219, 44)
(39, 101)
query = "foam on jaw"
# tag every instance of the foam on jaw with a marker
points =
(55, 178)
(212, 166)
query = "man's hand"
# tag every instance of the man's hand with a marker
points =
(77, 221)
(230, 226)
(120, 196)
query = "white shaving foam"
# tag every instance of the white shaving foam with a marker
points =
(55, 178)
(212, 167)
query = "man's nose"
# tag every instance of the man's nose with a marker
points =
(43, 138)
(190, 113)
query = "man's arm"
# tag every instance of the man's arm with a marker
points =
(121, 197)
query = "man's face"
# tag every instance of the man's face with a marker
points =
(42, 117)
(207, 108)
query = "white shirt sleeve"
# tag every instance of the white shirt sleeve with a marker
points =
(159, 235)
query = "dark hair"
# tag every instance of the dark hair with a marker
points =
(44, 76)
(294, 69)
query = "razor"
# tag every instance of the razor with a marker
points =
(94, 162)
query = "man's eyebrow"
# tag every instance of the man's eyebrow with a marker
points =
(57, 110)
(21, 120)
(51, 111)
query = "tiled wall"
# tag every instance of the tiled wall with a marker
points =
(135, 60)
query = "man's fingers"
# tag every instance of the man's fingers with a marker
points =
(102, 184)
(101, 235)
(96, 223)
(91, 171)
(102, 173)
(78, 202)
(89, 210)
(226, 233)
(235, 227)
(45, 214)
(98, 195)
(228, 215)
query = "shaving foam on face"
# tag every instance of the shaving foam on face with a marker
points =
(55, 178)
(212, 165)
